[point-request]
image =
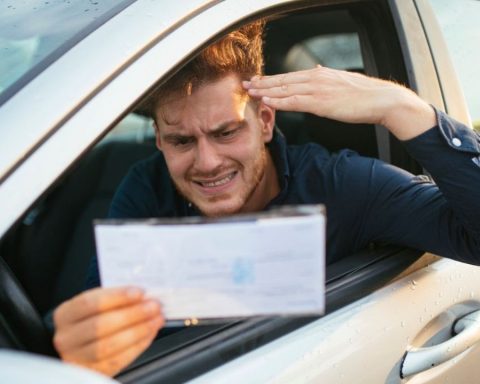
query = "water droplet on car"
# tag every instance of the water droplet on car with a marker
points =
(402, 324)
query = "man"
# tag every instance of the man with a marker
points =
(220, 154)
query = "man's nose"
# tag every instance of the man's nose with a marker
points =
(207, 158)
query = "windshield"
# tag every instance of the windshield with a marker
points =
(35, 33)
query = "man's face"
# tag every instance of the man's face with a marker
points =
(214, 144)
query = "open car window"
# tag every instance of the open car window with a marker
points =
(49, 250)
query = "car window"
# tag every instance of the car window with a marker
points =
(53, 27)
(340, 51)
(134, 128)
(460, 28)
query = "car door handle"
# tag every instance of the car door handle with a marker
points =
(467, 333)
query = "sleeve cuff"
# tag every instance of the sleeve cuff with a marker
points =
(451, 132)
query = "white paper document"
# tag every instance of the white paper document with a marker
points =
(260, 267)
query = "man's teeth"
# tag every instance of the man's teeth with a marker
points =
(219, 182)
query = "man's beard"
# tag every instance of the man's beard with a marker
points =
(259, 168)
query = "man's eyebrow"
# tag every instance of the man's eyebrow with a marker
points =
(175, 136)
(226, 125)
(218, 129)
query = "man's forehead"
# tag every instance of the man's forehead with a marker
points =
(218, 99)
(187, 128)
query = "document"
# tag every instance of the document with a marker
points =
(261, 265)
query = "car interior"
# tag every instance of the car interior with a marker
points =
(44, 257)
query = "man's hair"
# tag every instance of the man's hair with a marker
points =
(239, 52)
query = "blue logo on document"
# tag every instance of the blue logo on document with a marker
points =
(243, 271)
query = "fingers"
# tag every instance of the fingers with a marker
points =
(109, 346)
(111, 322)
(96, 301)
(295, 103)
(285, 90)
(106, 328)
(116, 357)
(260, 82)
(293, 91)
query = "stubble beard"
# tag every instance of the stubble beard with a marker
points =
(245, 197)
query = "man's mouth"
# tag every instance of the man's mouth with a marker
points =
(217, 182)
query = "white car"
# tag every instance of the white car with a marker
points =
(73, 76)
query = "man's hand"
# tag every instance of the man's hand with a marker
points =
(346, 96)
(105, 329)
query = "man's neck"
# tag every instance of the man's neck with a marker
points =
(267, 189)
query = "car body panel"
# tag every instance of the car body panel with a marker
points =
(364, 342)
(24, 368)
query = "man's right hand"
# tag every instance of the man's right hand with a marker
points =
(105, 329)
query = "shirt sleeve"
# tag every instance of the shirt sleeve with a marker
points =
(440, 216)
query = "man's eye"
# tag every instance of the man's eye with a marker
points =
(181, 142)
(227, 134)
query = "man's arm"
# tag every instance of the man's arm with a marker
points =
(346, 96)
(444, 219)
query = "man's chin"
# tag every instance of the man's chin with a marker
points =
(219, 209)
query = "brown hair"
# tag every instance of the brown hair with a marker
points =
(239, 52)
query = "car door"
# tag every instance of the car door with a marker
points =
(373, 313)
(368, 340)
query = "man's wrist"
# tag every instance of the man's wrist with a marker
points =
(410, 116)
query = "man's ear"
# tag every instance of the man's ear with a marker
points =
(158, 140)
(267, 117)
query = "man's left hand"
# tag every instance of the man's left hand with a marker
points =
(346, 96)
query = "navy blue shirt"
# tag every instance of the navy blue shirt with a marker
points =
(367, 200)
